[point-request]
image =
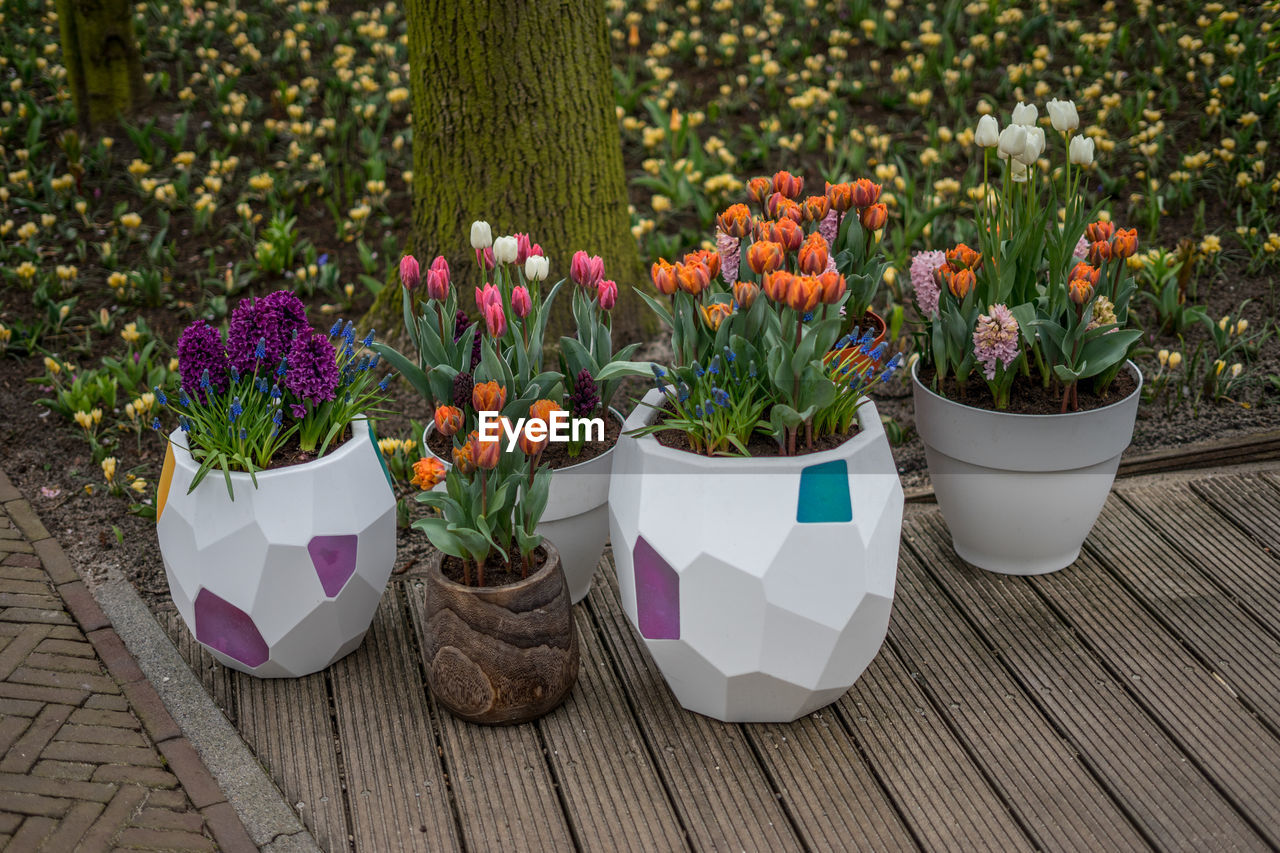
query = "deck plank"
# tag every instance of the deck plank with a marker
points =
(1036, 770)
(613, 794)
(723, 797)
(1234, 562)
(1173, 802)
(1250, 500)
(1235, 649)
(503, 789)
(287, 724)
(217, 679)
(395, 785)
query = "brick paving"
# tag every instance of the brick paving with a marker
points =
(89, 757)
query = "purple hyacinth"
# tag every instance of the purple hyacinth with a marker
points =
(262, 330)
(585, 398)
(313, 368)
(200, 349)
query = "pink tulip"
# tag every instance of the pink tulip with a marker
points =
(608, 294)
(494, 319)
(522, 248)
(410, 273)
(586, 270)
(485, 257)
(521, 304)
(490, 295)
(536, 249)
(438, 279)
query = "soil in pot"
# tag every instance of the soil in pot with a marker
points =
(1029, 396)
(760, 445)
(497, 571)
(500, 655)
(556, 455)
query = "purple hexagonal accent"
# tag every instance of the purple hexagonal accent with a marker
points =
(222, 626)
(657, 594)
(335, 560)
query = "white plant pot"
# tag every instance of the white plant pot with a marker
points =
(1021, 492)
(285, 579)
(576, 518)
(761, 587)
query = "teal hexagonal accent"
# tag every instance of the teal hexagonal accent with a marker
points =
(824, 494)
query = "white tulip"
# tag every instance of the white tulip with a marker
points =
(988, 132)
(1063, 115)
(1013, 139)
(481, 235)
(1025, 115)
(1035, 145)
(536, 268)
(1081, 152)
(504, 250)
(1019, 171)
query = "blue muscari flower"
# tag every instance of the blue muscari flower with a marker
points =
(336, 330)
(729, 355)
(278, 416)
(183, 400)
(275, 392)
(260, 351)
(808, 317)
(368, 339)
(878, 352)
(386, 380)
(243, 433)
(235, 374)
(855, 334)
(160, 396)
(349, 332)
(698, 371)
(205, 383)
(709, 406)
(236, 409)
(155, 424)
(715, 366)
(658, 373)
(683, 393)
(697, 411)
(283, 368)
(869, 338)
(363, 364)
(752, 372)
(184, 423)
(373, 362)
(348, 352)
(721, 396)
(322, 260)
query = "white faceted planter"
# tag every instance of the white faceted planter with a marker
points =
(285, 579)
(1020, 493)
(761, 587)
(576, 518)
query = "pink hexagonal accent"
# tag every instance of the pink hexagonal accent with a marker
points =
(657, 594)
(222, 626)
(335, 560)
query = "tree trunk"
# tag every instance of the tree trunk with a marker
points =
(514, 123)
(101, 54)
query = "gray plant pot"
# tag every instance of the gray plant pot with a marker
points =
(1021, 492)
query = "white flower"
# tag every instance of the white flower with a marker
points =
(481, 235)
(1063, 115)
(1019, 171)
(988, 132)
(1081, 152)
(536, 268)
(1025, 115)
(1035, 144)
(1013, 139)
(504, 249)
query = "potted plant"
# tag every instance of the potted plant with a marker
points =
(755, 509)
(508, 345)
(498, 637)
(1024, 397)
(275, 513)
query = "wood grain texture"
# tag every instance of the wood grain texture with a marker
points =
(499, 655)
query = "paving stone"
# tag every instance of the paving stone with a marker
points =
(55, 562)
(109, 735)
(83, 606)
(21, 514)
(157, 839)
(66, 647)
(107, 703)
(73, 826)
(152, 777)
(64, 770)
(26, 750)
(190, 770)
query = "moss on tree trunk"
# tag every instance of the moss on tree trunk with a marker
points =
(101, 54)
(514, 122)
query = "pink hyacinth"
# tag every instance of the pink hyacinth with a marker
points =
(729, 249)
(829, 227)
(995, 339)
(926, 289)
(1081, 251)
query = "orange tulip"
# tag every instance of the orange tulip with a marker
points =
(1124, 243)
(865, 193)
(1099, 253)
(544, 410)
(715, 314)
(745, 293)
(833, 287)
(759, 189)
(708, 258)
(788, 184)
(785, 208)
(735, 221)
(448, 420)
(776, 284)
(961, 282)
(840, 197)
(1099, 232)
(693, 278)
(486, 453)
(962, 257)
(488, 397)
(803, 292)
(814, 254)
(529, 445)
(463, 458)
(1080, 291)
(664, 277)
(788, 233)
(764, 256)
(875, 216)
(427, 473)
(815, 208)
(1086, 272)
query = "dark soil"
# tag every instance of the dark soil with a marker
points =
(293, 454)
(556, 455)
(497, 571)
(1029, 396)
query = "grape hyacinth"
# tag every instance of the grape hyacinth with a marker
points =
(585, 398)
(201, 353)
(463, 386)
(313, 368)
(995, 339)
(926, 289)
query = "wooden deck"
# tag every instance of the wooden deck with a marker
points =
(1129, 702)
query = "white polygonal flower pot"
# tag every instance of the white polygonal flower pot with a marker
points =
(761, 587)
(285, 579)
(576, 518)
(1020, 493)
